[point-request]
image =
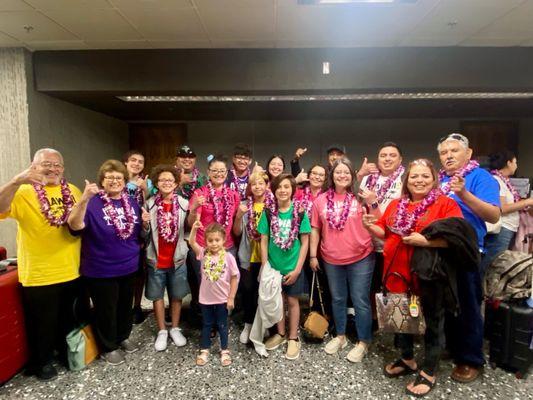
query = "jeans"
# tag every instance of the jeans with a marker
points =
(214, 315)
(356, 279)
(495, 244)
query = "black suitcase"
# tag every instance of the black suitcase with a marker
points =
(509, 329)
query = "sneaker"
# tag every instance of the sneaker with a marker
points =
(161, 340)
(357, 353)
(46, 373)
(293, 349)
(114, 357)
(245, 334)
(128, 346)
(334, 345)
(177, 337)
(274, 342)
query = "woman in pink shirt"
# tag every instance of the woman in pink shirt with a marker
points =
(346, 249)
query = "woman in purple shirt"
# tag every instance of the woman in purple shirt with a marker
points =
(110, 225)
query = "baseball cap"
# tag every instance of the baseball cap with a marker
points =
(185, 151)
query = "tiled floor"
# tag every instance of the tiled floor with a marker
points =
(173, 375)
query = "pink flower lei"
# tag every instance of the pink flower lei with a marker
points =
(223, 216)
(307, 200)
(251, 224)
(168, 226)
(195, 173)
(333, 222)
(123, 232)
(274, 225)
(382, 191)
(516, 195)
(469, 167)
(405, 222)
(236, 179)
(46, 210)
(139, 196)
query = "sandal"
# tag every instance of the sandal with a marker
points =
(202, 358)
(225, 358)
(421, 380)
(407, 370)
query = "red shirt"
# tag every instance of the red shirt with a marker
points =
(396, 254)
(165, 256)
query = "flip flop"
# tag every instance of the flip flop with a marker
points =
(225, 358)
(407, 370)
(202, 358)
(420, 380)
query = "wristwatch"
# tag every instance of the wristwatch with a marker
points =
(374, 205)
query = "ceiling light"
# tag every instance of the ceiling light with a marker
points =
(335, 97)
(352, 1)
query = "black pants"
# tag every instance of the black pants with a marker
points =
(250, 288)
(432, 300)
(112, 299)
(49, 318)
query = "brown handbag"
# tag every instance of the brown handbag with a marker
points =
(395, 311)
(316, 324)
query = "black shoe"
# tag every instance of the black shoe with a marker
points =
(138, 315)
(46, 373)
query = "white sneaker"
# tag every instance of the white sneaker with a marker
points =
(334, 345)
(357, 353)
(161, 340)
(177, 337)
(245, 334)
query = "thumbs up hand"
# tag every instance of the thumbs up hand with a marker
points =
(367, 169)
(299, 152)
(91, 189)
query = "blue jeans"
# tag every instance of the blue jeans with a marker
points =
(495, 244)
(356, 279)
(214, 315)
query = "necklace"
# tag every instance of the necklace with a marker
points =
(46, 210)
(405, 222)
(275, 229)
(168, 222)
(213, 269)
(251, 224)
(384, 189)
(240, 183)
(333, 221)
(222, 216)
(507, 182)
(125, 230)
(469, 167)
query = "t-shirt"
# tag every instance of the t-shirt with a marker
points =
(283, 261)
(46, 254)
(207, 213)
(396, 254)
(165, 258)
(300, 194)
(217, 292)
(347, 246)
(240, 187)
(187, 190)
(131, 187)
(510, 221)
(103, 253)
(482, 185)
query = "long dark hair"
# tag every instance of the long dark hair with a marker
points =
(268, 163)
(348, 163)
(426, 163)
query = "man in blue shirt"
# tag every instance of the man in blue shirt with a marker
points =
(477, 193)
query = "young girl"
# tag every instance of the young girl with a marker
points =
(249, 254)
(284, 230)
(218, 286)
(166, 252)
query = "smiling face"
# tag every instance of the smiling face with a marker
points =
(214, 241)
(113, 183)
(241, 163)
(275, 167)
(342, 177)
(135, 164)
(50, 165)
(258, 187)
(389, 160)
(453, 156)
(186, 163)
(166, 183)
(333, 155)
(420, 181)
(217, 173)
(284, 191)
(317, 176)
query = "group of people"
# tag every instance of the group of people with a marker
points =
(226, 233)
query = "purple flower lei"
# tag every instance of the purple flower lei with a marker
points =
(168, 227)
(122, 232)
(516, 195)
(274, 225)
(373, 180)
(405, 222)
(306, 201)
(223, 218)
(46, 210)
(194, 182)
(139, 196)
(333, 222)
(445, 189)
(251, 224)
(242, 192)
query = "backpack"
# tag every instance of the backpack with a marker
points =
(509, 276)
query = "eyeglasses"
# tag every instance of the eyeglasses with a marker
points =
(49, 165)
(317, 174)
(166, 180)
(114, 178)
(218, 171)
(242, 158)
(342, 173)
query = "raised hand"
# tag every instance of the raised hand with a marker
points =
(145, 216)
(368, 196)
(185, 178)
(369, 220)
(198, 202)
(29, 176)
(457, 184)
(367, 168)
(257, 169)
(302, 177)
(243, 208)
(142, 183)
(91, 189)
(197, 225)
(299, 152)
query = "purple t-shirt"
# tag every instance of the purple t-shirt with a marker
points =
(103, 253)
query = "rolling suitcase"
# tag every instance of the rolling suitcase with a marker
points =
(13, 345)
(510, 327)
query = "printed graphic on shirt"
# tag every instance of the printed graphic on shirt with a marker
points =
(56, 205)
(284, 228)
(241, 186)
(394, 190)
(121, 217)
(338, 207)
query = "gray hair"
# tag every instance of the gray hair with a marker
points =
(462, 139)
(39, 153)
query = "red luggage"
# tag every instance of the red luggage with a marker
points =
(13, 344)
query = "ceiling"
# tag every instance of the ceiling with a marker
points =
(160, 24)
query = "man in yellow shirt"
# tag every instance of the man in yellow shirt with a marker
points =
(40, 199)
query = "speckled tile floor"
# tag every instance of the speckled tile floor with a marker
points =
(173, 375)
